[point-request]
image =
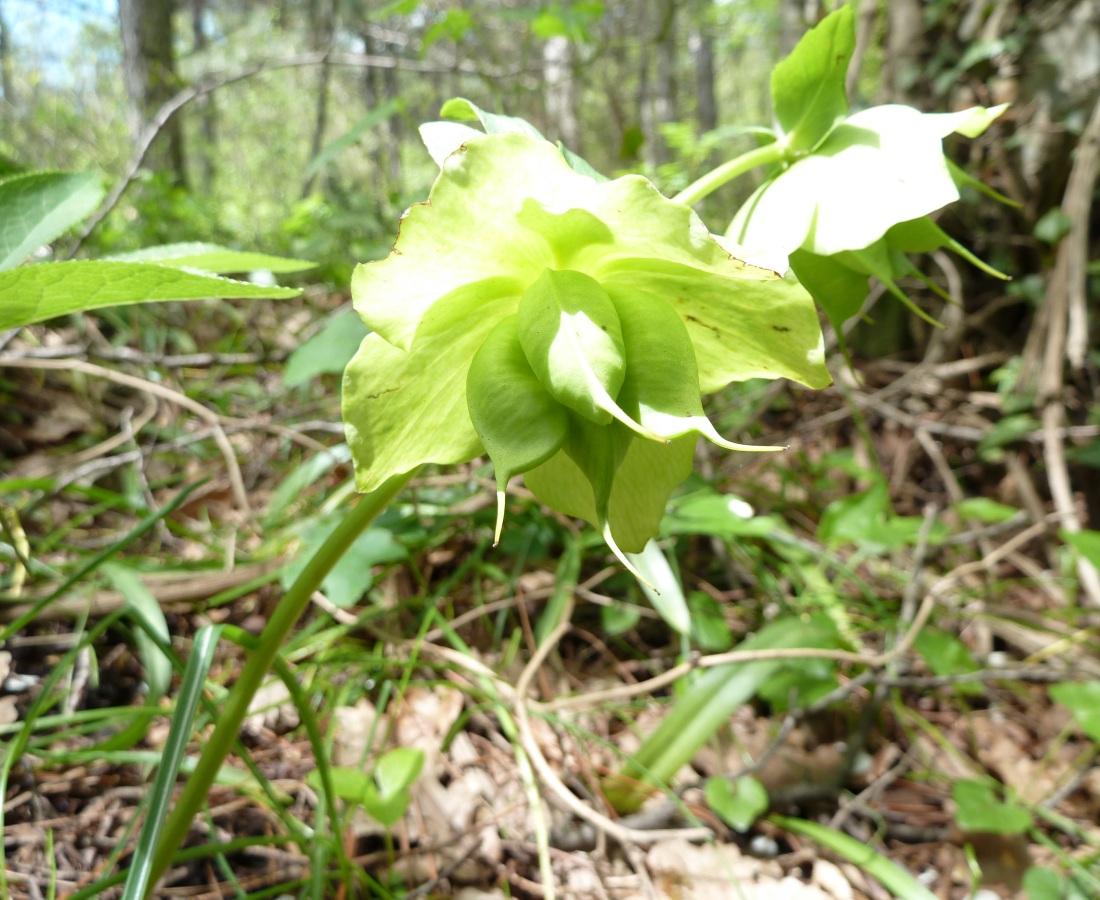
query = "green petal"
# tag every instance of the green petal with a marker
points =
(643, 483)
(570, 333)
(519, 423)
(404, 409)
(740, 328)
(661, 388)
(467, 231)
(879, 167)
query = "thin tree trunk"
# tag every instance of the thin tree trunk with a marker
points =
(205, 105)
(7, 79)
(905, 25)
(701, 46)
(149, 70)
(664, 94)
(560, 87)
(323, 17)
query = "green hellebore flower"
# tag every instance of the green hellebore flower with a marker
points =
(567, 328)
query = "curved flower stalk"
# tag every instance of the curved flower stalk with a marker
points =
(565, 326)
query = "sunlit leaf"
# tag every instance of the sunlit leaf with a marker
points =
(36, 293)
(38, 207)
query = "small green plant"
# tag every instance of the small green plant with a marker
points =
(567, 326)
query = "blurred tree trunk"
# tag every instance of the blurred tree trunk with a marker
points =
(379, 86)
(322, 19)
(149, 69)
(701, 46)
(561, 91)
(207, 110)
(665, 108)
(901, 64)
(7, 80)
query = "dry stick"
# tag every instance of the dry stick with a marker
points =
(619, 833)
(1066, 335)
(236, 480)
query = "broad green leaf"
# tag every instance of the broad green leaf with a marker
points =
(857, 518)
(518, 421)
(945, 654)
(888, 873)
(570, 335)
(985, 510)
(721, 515)
(38, 207)
(643, 483)
(881, 166)
(1053, 226)
(402, 409)
(212, 258)
(351, 577)
(740, 803)
(493, 123)
(1083, 700)
(327, 352)
(978, 810)
(36, 293)
(1041, 883)
(397, 769)
(353, 135)
(807, 87)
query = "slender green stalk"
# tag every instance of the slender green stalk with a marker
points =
(728, 171)
(259, 661)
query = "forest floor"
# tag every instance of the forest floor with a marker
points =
(906, 512)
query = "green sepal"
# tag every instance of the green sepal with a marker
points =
(661, 387)
(405, 409)
(643, 483)
(570, 333)
(518, 421)
(839, 290)
(923, 236)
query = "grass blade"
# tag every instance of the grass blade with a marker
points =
(190, 695)
(888, 873)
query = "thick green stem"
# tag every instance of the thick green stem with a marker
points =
(739, 165)
(233, 713)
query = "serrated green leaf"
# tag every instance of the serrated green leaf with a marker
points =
(38, 207)
(978, 810)
(36, 293)
(807, 87)
(212, 258)
(740, 803)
